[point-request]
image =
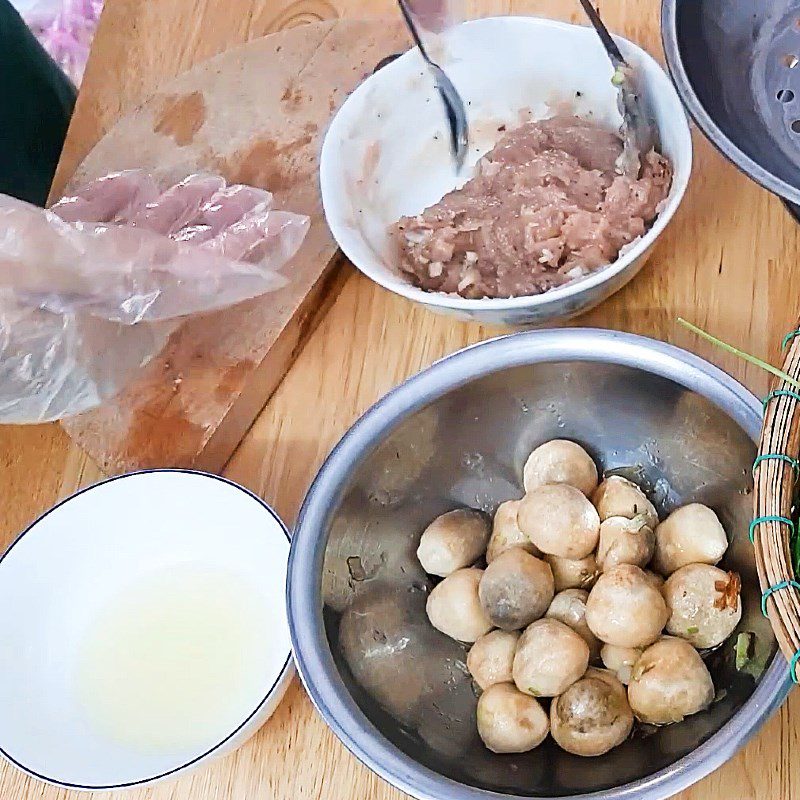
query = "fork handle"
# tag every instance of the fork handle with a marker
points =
(606, 38)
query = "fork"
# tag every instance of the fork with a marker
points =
(639, 135)
(453, 104)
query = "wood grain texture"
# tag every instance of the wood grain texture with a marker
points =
(192, 404)
(728, 262)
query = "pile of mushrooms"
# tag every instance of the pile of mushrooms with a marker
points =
(565, 588)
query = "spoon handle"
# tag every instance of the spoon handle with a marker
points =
(453, 104)
(412, 27)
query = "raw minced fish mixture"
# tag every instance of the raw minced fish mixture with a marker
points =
(545, 206)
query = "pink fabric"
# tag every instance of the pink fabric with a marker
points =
(66, 32)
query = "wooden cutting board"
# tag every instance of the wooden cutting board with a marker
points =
(256, 114)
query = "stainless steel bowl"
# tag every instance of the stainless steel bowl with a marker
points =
(393, 689)
(736, 66)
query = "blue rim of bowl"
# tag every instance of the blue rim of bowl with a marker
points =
(559, 293)
(313, 658)
(282, 675)
(740, 159)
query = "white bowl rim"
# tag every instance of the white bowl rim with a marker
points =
(285, 672)
(575, 287)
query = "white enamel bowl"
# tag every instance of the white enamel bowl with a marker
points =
(66, 568)
(386, 153)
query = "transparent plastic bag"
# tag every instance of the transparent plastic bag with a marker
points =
(91, 289)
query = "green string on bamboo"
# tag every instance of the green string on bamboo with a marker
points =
(794, 537)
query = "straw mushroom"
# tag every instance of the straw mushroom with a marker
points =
(704, 604)
(454, 608)
(577, 573)
(506, 533)
(560, 461)
(618, 497)
(625, 541)
(452, 541)
(691, 534)
(620, 660)
(510, 721)
(592, 716)
(550, 656)
(654, 579)
(516, 589)
(669, 682)
(625, 609)
(560, 521)
(569, 607)
(490, 659)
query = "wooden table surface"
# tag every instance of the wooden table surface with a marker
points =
(728, 262)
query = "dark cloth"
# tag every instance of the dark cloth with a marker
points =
(36, 102)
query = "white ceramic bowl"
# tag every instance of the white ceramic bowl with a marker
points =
(65, 569)
(386, 153)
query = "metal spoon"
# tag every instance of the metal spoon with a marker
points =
(453, 104)
(639, 134)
